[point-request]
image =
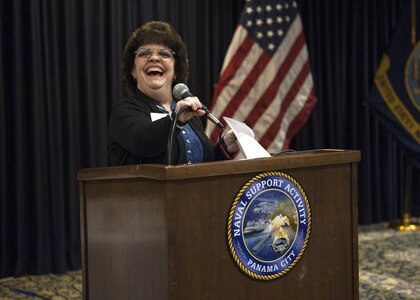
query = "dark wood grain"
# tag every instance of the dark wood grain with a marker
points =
(159, 232)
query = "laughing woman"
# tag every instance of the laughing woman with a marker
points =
(155, 59)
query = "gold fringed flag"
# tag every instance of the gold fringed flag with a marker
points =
(395, 98)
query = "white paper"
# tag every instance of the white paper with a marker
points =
(157, 116)
(248, 145)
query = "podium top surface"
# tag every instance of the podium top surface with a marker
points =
(287, 160)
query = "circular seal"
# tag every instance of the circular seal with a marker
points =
(412, 73)
(269, 225)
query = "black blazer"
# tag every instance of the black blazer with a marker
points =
(134, 139)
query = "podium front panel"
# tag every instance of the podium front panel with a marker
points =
(159, 232)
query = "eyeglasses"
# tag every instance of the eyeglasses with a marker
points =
(146, 53)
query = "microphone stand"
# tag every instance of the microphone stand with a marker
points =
(172, 133)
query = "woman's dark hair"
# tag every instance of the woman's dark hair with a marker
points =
(155, 32)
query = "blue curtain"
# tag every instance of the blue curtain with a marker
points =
(60, 74)
(346, 40)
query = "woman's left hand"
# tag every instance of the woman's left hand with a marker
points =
(230, 140)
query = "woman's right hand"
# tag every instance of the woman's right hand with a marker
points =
(195, 109)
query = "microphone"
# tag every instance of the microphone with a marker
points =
(181, 91)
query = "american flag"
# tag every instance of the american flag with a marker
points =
(265, 79)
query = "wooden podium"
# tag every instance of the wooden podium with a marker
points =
(159, 232)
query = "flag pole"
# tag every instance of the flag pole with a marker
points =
(406, 224)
